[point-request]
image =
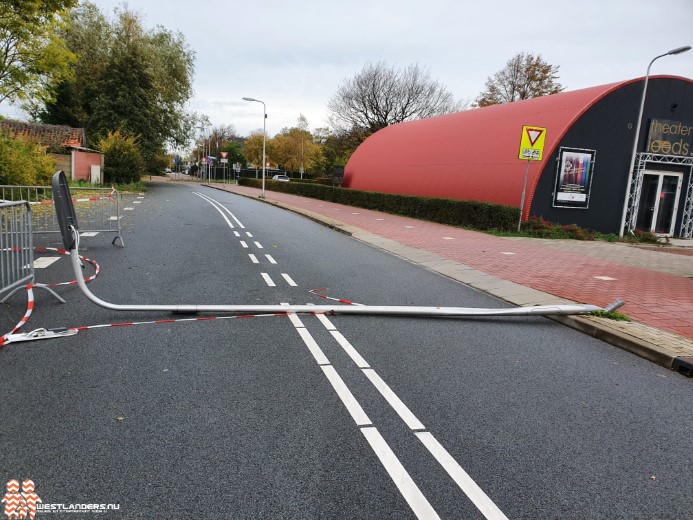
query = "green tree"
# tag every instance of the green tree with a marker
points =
(294, 148)
(525, 76)
(33, 56)
(219, 137)
(129, 79)
(252, 149)
(234, 149)
(90, 37)
(123, 161)
(24, 162)
(336, 147)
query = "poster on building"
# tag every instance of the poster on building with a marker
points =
(574, 178)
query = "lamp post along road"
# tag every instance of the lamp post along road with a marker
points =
(264, 138)
(631, 170)
(204, 153)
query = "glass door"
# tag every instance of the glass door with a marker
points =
(659, 197)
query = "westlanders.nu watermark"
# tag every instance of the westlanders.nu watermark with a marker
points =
(27, 503)
(76, 508)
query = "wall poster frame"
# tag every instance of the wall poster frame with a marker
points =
(574, 178)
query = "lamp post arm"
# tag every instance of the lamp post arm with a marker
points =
(636, 138)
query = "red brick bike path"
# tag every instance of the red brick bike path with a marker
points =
(658, 299)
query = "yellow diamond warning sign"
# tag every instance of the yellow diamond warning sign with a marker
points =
(532, 143)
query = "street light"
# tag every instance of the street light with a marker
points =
(631, 170)
(264, 136)
(204, 153)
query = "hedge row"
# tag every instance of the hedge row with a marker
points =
(465, 213)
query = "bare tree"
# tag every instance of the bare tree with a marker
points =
(380, 96)
(525, 76)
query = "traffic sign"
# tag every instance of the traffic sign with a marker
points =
(223, 154)
(532, 143)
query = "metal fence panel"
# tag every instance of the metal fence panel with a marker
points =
(98, 209)
(16, 246)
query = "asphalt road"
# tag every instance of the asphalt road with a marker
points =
(322, 417)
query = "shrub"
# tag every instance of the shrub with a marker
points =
(467, 213)
(24, 163)
(645, 236)
(123, 162)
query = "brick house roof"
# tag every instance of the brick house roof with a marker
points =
(54, 137)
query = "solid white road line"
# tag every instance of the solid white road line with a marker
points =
(295, 320)
(326, 322)
(348, 399)
(268, 280)
(410, 491)
(215, 205)
(271, 260)
(211, 200)
(349, 349)
(405, 484)
(405, 413)
(289, 280)
(317, 352)
(254, 259)
(461, 478)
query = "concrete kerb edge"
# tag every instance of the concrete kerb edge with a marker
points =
(632, 344)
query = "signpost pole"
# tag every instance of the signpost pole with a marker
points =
(531, 148)
(522, 201)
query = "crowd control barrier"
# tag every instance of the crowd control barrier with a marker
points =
(17, 249)
(67, 220)
(98, 208)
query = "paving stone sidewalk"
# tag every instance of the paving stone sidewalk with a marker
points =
(655, 282)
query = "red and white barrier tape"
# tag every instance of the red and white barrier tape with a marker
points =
(43, 333)
(97, 268)
(317, 292)
(49, 202)
(29, 310)
(179, 320)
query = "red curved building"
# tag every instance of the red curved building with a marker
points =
(584, 170)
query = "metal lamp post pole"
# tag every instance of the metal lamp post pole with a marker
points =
(202, 130)
(264, 138)
(631, 170)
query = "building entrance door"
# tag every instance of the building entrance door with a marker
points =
(659, 200)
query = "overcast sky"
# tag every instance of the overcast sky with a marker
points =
(293, 55)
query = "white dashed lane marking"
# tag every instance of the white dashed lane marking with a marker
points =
(289, 280)
(268, 280)
(45, 261)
